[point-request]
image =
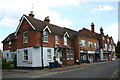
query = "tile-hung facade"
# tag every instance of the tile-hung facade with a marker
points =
(105, 48)
(37, 42)
(85, 47)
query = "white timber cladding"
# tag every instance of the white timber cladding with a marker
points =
(34, 57)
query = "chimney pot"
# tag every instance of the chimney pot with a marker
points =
(92, 27)
(47, 19)
(31, 14)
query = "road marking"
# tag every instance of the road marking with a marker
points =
(111, 78)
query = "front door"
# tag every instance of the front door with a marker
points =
(59, 57)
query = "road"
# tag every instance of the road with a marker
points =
(98, 71)
(101, 70)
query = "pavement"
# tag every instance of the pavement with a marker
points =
(45, 72)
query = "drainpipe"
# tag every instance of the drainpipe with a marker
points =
(42, 49)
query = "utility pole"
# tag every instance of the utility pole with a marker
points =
(42, 49)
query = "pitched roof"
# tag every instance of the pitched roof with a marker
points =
(77, 33)
(98, 36)
(10, 36)
(40, 25)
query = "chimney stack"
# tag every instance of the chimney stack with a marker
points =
(31, 14)
(47, 19)
(92, 27)
(101, 30)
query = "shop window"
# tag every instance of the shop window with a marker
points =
(49, 56)
(25, 55)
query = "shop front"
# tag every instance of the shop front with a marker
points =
(83, 56)
(105, 54)
(97, 56)
(110, 56)
(113, 55)
(91, 56)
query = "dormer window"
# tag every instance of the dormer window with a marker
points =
(25, 37)
(9, 44)
(56, 40)
(65, 40)
(45, 36)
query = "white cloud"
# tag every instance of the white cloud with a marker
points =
(11, 11)
(102, 8)
(112, 31)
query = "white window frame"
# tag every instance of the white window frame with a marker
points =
(49, 54)
(96, 45)
(25, 55)
(108, 40)
(10, 44)
(25, 38)
(56, 39)
(103, 38)
(45, 36)
(68, 55)
(83, 43)
(71, 54)
(65, 40)
(90, 43)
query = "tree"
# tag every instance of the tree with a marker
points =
(117, 49)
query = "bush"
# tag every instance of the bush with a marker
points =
(7, 65)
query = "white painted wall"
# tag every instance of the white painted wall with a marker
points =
(46, 62)
(10, 57)
(34, 57)
(20, 57)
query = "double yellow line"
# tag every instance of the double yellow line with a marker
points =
(111, 78)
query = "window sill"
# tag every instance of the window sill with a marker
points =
(25, 61)
(56, 43)
(49, 59)
(45, 41)
(25, 42)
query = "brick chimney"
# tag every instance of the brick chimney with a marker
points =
(101, 30)
(47, 19)
(92, 27)
(31, 14)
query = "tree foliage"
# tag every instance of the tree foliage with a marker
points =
(117, 48)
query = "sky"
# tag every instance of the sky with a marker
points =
(73, 14)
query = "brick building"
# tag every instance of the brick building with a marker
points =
(84, 46)
(37, 42)
(105, 46)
